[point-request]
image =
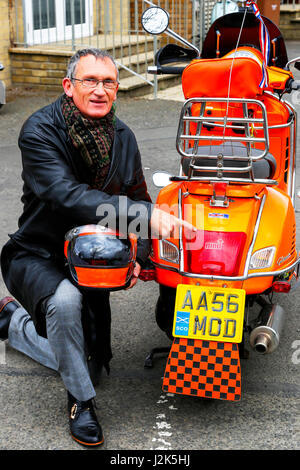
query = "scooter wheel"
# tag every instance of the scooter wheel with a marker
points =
(164, 310)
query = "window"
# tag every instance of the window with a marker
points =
(51, 20)
(79, 12)
(43, 14)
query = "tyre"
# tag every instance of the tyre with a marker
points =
(164, 311)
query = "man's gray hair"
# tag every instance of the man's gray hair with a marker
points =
(98, 53)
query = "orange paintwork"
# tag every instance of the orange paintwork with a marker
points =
(211, 78)
(101, 277)
(242, 217)
(244, 198)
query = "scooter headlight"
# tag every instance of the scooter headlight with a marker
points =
(262, 258)
(168, 251)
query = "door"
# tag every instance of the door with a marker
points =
(57, 20)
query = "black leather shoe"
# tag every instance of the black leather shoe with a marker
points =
(7, 307)
(84, 425)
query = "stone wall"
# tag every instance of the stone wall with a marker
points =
(5, 41)
(39, 69)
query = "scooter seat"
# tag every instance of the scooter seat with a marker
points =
(264, 168)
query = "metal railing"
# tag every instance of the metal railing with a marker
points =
(290, 2)
(68, 25)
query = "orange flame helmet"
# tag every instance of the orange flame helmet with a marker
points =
(99, 257)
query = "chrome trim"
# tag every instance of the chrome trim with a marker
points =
(224, 178)
(230, 278)
(184, 137)
(292, 163)
(211, 120)
(181, 256)
(280, 126)
(246, 274)
(277, 126)
(220, 119)
(290, 62)
(255, 231)
(265, 337)
(226, 139)
(244, 169)
(174, 35)
(179, 38)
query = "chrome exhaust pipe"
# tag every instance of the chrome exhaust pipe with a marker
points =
(265, 338)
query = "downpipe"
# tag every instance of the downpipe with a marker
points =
(2, 90)
(265, 338)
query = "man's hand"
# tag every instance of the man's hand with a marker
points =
(163, 224)
(135, 275)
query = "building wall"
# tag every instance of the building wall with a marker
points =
(38, 69)
(5, 40)
(17, 22)
(111, 16)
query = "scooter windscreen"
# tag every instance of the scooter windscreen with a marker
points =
(229, 28)
(100, 258)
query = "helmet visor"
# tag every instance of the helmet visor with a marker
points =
(96, 250)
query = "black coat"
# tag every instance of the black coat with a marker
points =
(57, 197)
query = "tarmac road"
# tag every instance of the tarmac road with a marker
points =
(133, 410)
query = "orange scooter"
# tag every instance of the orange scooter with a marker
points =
(237, 143)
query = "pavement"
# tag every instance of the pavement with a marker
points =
(133, 410)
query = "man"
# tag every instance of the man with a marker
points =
(76, 155)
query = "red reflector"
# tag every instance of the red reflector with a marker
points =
(217, 253)
(220, 187)
(281, 286)
(275, 84)
(147, 275)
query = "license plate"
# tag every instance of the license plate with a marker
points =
(209, 313)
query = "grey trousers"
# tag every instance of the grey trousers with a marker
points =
(64, 348)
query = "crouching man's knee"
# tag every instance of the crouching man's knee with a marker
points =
(65, 304)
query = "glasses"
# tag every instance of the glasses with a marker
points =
(93, 83)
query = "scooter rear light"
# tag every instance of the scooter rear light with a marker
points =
(168, 251)
(262, 258)
(216, 253)
(281, 286)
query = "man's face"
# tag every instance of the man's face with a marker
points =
(92, 102)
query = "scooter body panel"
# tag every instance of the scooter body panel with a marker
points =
(239, 217)
(236, 185)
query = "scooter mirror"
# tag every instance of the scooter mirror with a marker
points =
(296, 63)
(155, 20)
(161, 179)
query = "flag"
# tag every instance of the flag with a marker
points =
(265, 43)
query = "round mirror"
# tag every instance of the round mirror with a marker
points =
(155, 20)
(161, 179)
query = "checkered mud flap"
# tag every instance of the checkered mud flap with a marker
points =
(204, 369)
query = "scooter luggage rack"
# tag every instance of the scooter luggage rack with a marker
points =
(187, 142)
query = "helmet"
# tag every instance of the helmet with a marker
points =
(100, 258)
